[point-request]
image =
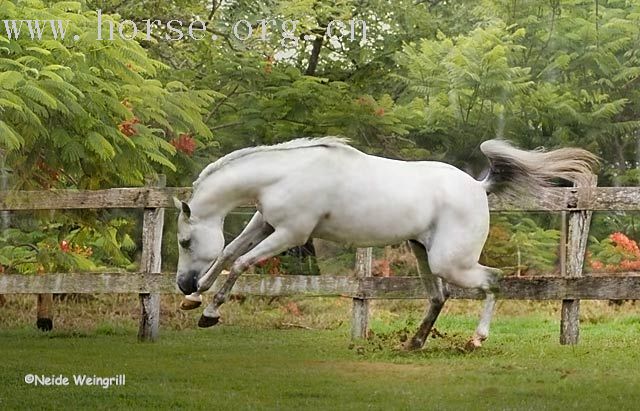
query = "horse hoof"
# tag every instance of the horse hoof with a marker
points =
(413, 345)
(206, 322)
(473, 344)
(187, 305)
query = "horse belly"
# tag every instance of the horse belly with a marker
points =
(366, 230)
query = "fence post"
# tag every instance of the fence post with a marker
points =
(150, 263)
(577, 239)
(44, 316)
(360, 313)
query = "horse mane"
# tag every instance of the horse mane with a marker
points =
(306, 142)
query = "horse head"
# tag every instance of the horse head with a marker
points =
(200, 243)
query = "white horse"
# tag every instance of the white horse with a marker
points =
(323, 188)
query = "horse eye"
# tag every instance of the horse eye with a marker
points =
(185, 243)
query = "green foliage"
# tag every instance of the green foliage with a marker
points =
(75, 97)
(83, 114)
(518, 244)
(605, 251)
(539, 74)
(57, 247)
(605, 223)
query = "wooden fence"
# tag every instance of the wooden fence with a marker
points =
(570, 287)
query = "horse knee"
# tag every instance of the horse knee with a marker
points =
(228, 254)
(241, 265)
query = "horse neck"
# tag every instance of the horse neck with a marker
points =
(233, 186)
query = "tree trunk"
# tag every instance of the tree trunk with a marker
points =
(315, 56)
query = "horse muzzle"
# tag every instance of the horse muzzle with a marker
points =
(188, 283)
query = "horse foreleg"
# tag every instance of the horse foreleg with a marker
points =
(277, 242)
(255, 231)
(436, 302)
(211, 314)
(437, 297)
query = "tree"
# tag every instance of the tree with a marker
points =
(83, 114)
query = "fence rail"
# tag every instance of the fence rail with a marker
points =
(623, 286)
(571, 287)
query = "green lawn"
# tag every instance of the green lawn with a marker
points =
(233, 367)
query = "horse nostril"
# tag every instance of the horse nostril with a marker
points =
(188, 283)
(182, 289)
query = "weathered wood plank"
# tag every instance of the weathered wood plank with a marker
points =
(614, 199)
(624, 286)
(576, 246)
(572, 199)
(151, 262)
(518, 288)
(360, 309)
(82, 283)
(551, 199)
(143, 197)
(139, 282)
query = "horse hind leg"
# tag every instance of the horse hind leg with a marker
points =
(486, 279)
(437, 297)
(488, 309)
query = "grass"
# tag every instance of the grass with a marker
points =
(249, 364)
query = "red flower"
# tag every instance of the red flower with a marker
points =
(270, 265)
(65, 246)
(625, 243)
(185, 144)
(126, 127)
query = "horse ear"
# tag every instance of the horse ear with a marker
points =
(186, 210)
(177, 203)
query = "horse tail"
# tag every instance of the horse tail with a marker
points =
(515, 170)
